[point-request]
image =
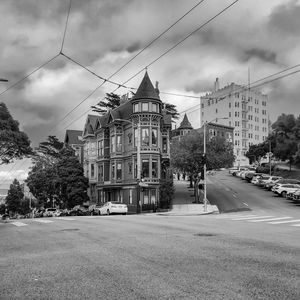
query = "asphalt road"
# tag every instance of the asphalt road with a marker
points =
(231, 193)
(152, 256)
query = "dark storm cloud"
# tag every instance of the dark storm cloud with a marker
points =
(202, 86)
(133, 47)
(285, 19)
(262, 54)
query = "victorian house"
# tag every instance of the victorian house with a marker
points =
(127, 150)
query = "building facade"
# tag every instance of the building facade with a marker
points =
(73, 138)
(127, 151)
(244, 109)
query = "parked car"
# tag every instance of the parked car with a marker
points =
(51, 212)
(233, 170)
(94, 209)
(113, 207)
(255, 179)
(283, 181)
(249, 175)
(268, 184)
(283, 189)
(79, 210)
(296, 196)
(262, 180)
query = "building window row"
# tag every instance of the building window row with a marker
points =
(146, 107)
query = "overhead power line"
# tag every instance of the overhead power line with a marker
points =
(166, 52)
(35, 70)
(65, 31)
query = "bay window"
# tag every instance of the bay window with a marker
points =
(154, 137)
(119, 171)
(145, 168)
(145, 137)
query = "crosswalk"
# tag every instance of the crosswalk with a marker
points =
(257, 218)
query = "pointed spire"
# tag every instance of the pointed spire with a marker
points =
(146, 89)
(185, 123)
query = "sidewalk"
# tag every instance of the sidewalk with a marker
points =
(183, 202)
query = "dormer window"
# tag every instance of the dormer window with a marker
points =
(136, 107)
(145, 106)
(154, 107)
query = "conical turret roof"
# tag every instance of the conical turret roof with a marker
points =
(146, 90)
(185, 123)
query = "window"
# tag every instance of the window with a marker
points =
(130, 168)
(92, 170)
(135, 107)
(130, 196)
(145, 137)
(145, 168)
(154, 137)
(154, 168)
(112, 171)
(113, 144)
(145, 106)
(100, 173)
(119, 171)
(154, 107)
(100, 148)
(229, 114)
(164, 145)
(216, 110)
(229, 104)
(146, 197)
(153, 196)
(119, 143)
(135, 133)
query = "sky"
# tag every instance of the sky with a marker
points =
(255, 35)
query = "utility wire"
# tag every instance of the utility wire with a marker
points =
(154, 40)
(38, 68)
(65, 31)
(181, 41)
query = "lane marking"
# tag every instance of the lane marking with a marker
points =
(250, 218)
(234, 196)
(18, 224)
(43, 221)
(245, 204)
(65, 219)
(296, 225)
(283, 222)
(265, 220)
(231, 216)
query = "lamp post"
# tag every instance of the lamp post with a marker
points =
(204, 164)
(138, 161)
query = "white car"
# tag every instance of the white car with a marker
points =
(51, 212)
(113, 207)
(283, 189)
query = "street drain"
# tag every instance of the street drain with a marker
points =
(70, 229)
(205, 234)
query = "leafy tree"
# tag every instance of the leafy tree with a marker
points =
(166, 192)
(286, 130)
(71, 180)
(171, 110)
(14, 197)
(2, 209)
(187, 153)
(57, 176)
(13, 142)
(111, 101)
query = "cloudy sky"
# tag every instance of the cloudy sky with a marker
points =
(263, 36)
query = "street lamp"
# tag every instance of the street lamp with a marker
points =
(204, 164)
(138, 160)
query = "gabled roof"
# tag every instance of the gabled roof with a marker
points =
(146, 90)
(185, 123)
(73, 137)
(90, 124)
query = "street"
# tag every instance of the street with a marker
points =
(149, 256)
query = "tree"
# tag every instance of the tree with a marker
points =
(171, 110)
(13, 142)
(286, 130)
(57, 176)
(111, 101)
(166, 192)
(14, 197)
(71, 180)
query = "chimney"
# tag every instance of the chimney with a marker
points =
(156, 88)
(217, 85)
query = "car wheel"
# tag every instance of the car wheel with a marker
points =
(108, 212)
(283, 194)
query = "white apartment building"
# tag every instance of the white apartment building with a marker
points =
(245, 109)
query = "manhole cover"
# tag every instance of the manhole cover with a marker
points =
(205, 234)
(70, 229)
